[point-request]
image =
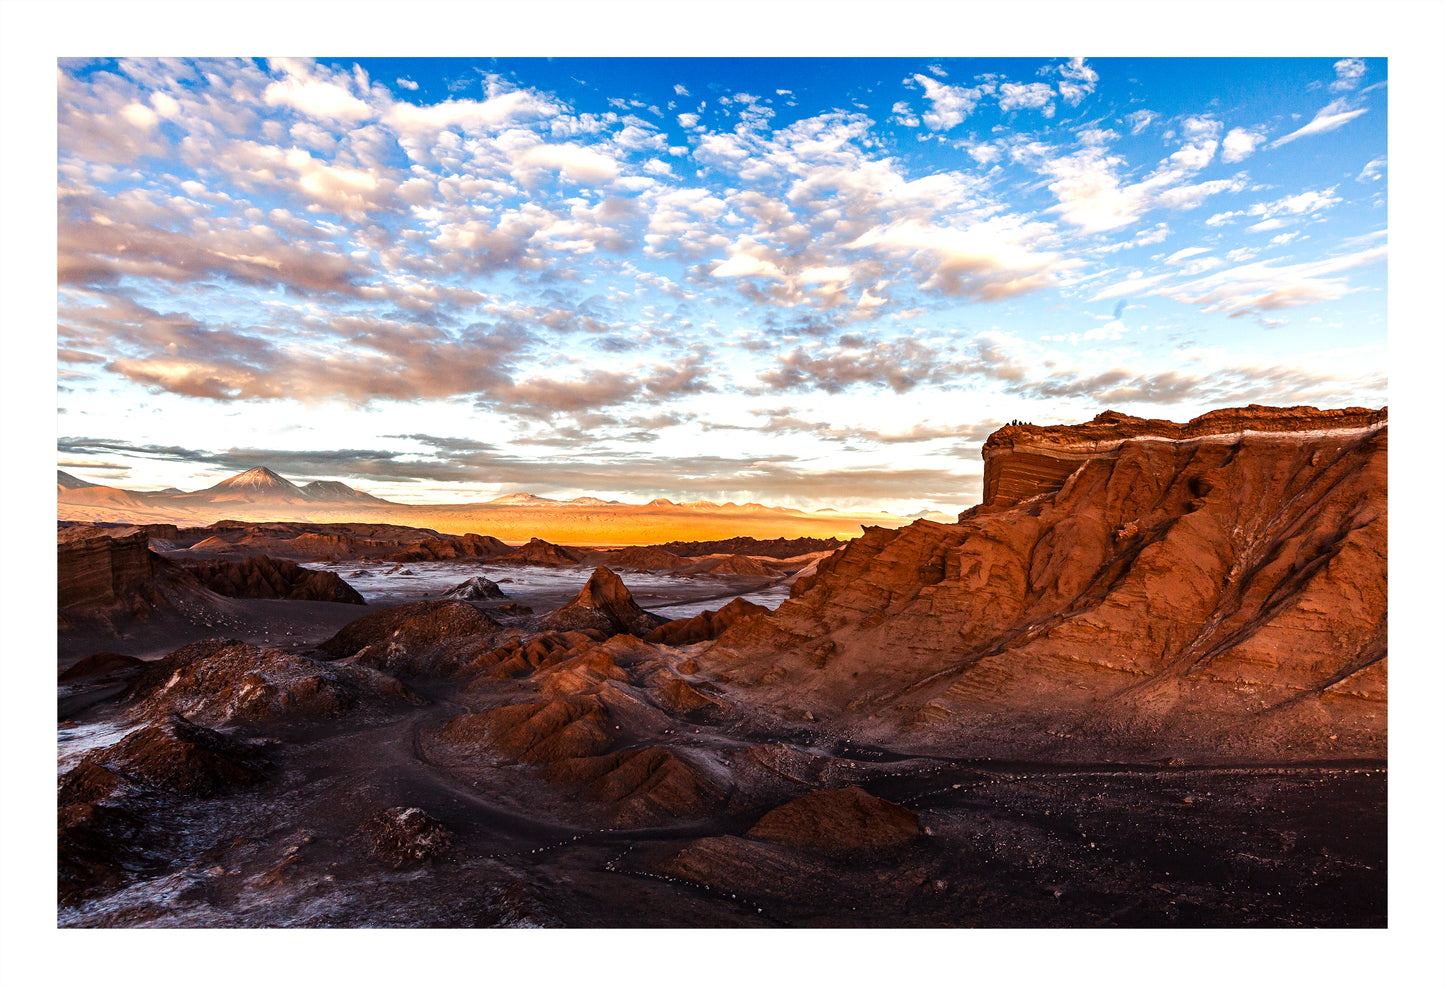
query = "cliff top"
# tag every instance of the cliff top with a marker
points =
(1114, 425)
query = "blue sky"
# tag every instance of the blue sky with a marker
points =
(801, 281)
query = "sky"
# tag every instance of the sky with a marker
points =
(800, 281)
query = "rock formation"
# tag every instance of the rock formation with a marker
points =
(706, 625)
(605, 604)
(1021, 461)
(402, 836)
(433, 638)
(260, 577)
(1216, 593)
(539, 552)
(770, 548)
(227, 682)
(476, 587)
(845, 818)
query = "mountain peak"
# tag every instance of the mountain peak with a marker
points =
(259, 478)
(69, 482)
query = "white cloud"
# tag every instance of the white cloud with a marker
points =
(1261, 287)
(1132, 284)
(903, 115)
(1031, 95)
(950, 104)
(408, 84)
(1179, 256)
(1347, 74)
(1284, 238)
(1240, 143)
(1332, 117)
(1077, 80)
(140, 115)
(468, 115)
(318, 99)
(680, 90)
(1373, 171)
(1139, 120)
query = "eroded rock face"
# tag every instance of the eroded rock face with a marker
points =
(838, 819)
(640, 786)
(706, 625)
(539, 552)
(535, 732)
(445, 547)
(1213, 595)
(429, 637)
(93, 568)
(260, 577)
(172, 754)
(605, 604)
(1021, 461)
(226, 682)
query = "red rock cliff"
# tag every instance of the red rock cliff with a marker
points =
(1223, 591)
(1021, 461)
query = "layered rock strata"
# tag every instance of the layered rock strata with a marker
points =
(1216, 594)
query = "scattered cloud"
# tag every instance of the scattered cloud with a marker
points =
(1331, 117)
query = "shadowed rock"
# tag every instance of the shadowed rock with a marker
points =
(707, 625)
(411, 626)
(639, 787)
(172, 754)
(402, 836)
(535, 732)
(102, 665)
(228, 682)
(845, 818)
(604, 604)
(260, 577)
(544, 553)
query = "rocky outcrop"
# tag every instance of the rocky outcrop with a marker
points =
(838, 819)
(639, 787)
(769, 548)
(406, 836)
(534, 732)
(260, 577)
(543, 553)
(171, 754)
(1208, 596)
(227, 682)
(707, 625)
(433, 638)
(1022, 461)
(605, 604)
(447, 547)
(95, 569)
(476, 587)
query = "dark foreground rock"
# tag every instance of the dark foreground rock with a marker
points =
(227, 682)
(261, 577)
(845, 818)
(402, 836)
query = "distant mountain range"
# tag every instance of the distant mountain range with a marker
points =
(261, 494)
(254, 486)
